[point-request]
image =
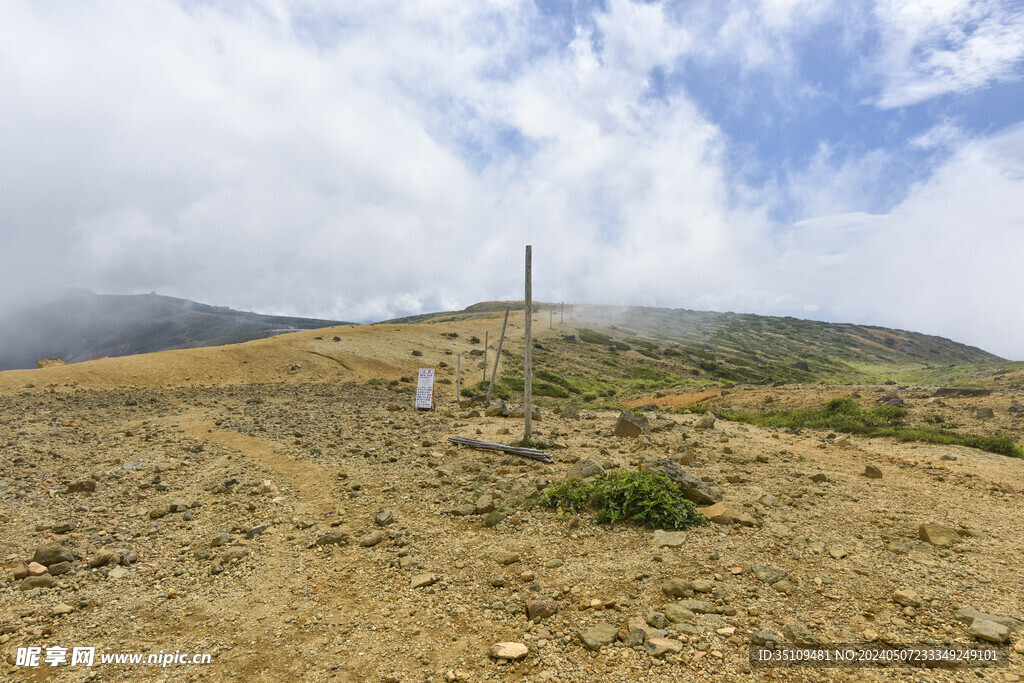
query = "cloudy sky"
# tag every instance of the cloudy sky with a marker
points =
(359, 160)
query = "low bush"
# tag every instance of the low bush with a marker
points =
(647, 499)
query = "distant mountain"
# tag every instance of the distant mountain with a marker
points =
(86, 326)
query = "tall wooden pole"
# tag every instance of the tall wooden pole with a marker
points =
(484, 378)
(458, 380)
(561, 314)
(528, 388)
(497, 356)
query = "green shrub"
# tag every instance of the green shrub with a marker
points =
(647, 499)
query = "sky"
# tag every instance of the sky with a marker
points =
(846, 161)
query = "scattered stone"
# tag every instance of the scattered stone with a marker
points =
(818, 478)
(256, 530)
(703, 585)
(60, 568)
(36, 569)
(872, 472)
(220, 539)
(799, 634)
(842, 441)
(659, 647)
(333, 538)
(765, 638)
(508, 558)
(695, 606)
(692, 489)
(585, 469)
(770, 575)
(509, 651)
(44, 581)
(499, 409)
(118, 573)
(727, 512)
(371, 539)
(968, 616)
(543, 607)
(961, 392)
(492, 519)
(423, 580)
(938, 535)
(52, 554)
(986, 630)
(598, 636)
(61, 609)
(677, 588)
(484, 504)
(906, 598)
(706, 421)
(630, 425)
(984, 413)
(669, 539)
(656, 620)
(676, 613)
(267, 487)
(87, 486)
(635, 637)
(178, 506)
(1016, 409)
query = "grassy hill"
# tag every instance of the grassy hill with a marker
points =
(623, 350)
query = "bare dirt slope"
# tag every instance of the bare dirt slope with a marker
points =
(265, 504)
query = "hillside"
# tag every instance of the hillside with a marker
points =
(635, 349)
(89, 326)
(284, 496)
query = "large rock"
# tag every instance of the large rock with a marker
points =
(1016, 409)
(498, 409)
(677, 588)
(706, 421)
(961, 391)
(985, 630)
(44, 581)
(52, 554)
(630, 425)
(969, 616)
(984, 413)
(676, 613)
(691, 487)
(598, 636)
(727, 512)
(938, 535)
(584, 469)
(659, 647)
(519, 412)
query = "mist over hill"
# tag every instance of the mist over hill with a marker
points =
(86, 326)
(661, 347)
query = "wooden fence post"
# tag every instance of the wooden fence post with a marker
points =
(497, 356)
(528, 379)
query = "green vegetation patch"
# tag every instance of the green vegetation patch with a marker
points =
(845, 415)
(647, 499)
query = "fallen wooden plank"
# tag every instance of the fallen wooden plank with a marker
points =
(531, 453)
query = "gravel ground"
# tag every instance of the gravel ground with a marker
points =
(307, 530)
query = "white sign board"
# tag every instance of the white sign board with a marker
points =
(425, 389)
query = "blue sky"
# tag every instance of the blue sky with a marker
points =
(853, 161)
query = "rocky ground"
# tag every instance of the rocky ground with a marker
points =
(326, 530)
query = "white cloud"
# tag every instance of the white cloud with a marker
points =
(940, 262)
(346, 161)
(934, 47)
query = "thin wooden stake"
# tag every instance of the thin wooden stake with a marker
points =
(484, 378)
(458, 379)
(528, 380)
(497, 355)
